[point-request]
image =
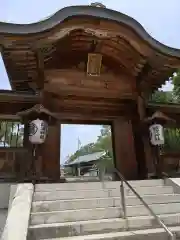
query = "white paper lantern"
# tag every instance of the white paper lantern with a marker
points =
(37, 131)
(156, 134)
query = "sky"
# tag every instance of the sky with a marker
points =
(160, 18)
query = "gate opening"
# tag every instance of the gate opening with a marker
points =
(86, 151)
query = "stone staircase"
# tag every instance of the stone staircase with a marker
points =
(93, 211)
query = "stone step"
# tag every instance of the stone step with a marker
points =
(100, 213)
(43, 206)
(148, 234)
(166, 208)
(60, 230)
(100, 193)
(95, 185)
(74, 215)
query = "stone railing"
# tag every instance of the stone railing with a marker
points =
(17, 222)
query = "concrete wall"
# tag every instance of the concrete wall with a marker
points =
(4, 195)
(7, 191)
(19, 212)
(175, 183)
(3, 217)
(4, 202)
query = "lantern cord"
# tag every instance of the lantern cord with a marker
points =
(34, 151)
(33, 164)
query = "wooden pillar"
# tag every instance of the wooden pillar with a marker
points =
(141, 107)
(123, 141)
(23, 159)
(139, 148)
(148, 153)
(51, 152)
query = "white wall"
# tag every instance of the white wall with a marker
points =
(4, 202)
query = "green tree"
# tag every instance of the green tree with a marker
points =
(11, 134)
(172, 139)
(163, 97)
(176, 89)
(104, 141)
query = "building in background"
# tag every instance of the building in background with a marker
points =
(86, 165)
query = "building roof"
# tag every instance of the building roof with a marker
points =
(12, 102)
(172, 110)
(28, 49)
(92, 11)
(87, 158)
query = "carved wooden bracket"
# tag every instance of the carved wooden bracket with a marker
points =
(37, 109)
(158, 117)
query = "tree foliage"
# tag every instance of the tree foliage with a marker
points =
(170, 96)
(176, 83)
(163, 97)
(11, 134)
(172, 139)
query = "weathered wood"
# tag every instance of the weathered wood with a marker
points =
(132, 63)
(144, 152)
(78, 83)
(125, 158)
(13, 163)
(139, 147)
(9, 117)
(115, 43)
(149, 155)
(51, 153)
(12, 108)
(15, 96)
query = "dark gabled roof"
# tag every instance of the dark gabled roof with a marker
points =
(30, 49)
(87, 158)
(91, 11)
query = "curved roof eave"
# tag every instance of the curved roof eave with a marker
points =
(91, 11)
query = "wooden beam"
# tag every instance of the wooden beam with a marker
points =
(66, 90)
(9, 117)
(166, 108)
(12, 149)
(13, 96)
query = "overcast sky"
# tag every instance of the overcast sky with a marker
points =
(160, 18)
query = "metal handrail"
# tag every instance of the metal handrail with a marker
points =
(172, 236)
(165, 175)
